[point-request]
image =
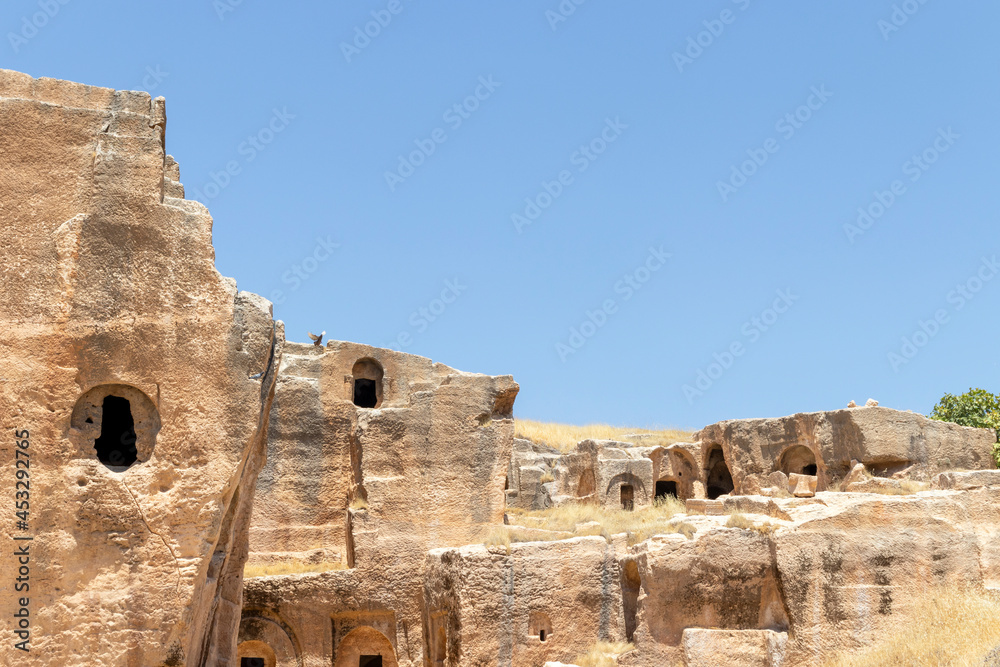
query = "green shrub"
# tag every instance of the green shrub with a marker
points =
(976, 407)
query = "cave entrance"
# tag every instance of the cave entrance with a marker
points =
(370, 661)
(252, 662)
(364, 394)
(719, 481)
(116, 444)
(367, 375)
(628, 497)
(666, 488)
(798, 459)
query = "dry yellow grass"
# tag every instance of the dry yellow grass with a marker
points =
(251, 571)
(603, 654)
(640, 524)
(954, 627)
(741, 521)
(907, 487)
(499, 537)
(565, 437)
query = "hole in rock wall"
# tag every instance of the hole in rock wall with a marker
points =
(364, 394)
(252, 662)
(364, 646)
(719, 481)
(116, 444)
(628, 497)
(666, 488)
(798, 459)
(118, 423)
(540, 625)
(367, 390)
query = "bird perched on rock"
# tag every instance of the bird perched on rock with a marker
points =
(317, 340)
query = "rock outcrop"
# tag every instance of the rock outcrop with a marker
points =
(524, 604)
(139, 379)
(375, 457)
(825, 443)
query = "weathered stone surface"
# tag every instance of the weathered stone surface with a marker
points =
(965, 481)
(606, 472)
(373, 489)
(542, 601)
(115, 319)
(857, 474)
(530, 464)
(801, 486)
(884, 440)
(734, 648)
(726, 579)
(839, 575)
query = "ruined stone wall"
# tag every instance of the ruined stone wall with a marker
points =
(373, 488)
(139, 378)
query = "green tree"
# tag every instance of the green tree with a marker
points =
(976, 407)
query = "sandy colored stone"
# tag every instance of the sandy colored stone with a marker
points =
(734, 648)
(965, 481)
(374, 488)
(884, 440)
(495, 606)
(858, 473)
(842, 573)
(108, 288)
(801, 486)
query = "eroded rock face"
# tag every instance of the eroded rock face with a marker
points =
(139, 377)
(830, 574)
(824, 444)
(374, 458)
(610, 473)
(541, 601)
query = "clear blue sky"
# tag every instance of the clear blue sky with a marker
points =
(663, 121)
